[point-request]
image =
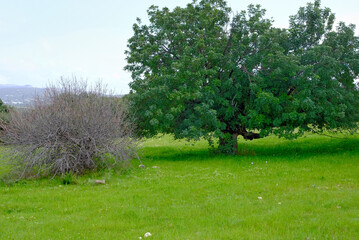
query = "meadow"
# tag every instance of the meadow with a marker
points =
(274, 189)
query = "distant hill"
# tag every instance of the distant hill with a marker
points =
(18, 95)
(22, 96)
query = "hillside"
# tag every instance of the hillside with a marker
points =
(18, 95)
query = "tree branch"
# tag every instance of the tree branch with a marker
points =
(228, 43)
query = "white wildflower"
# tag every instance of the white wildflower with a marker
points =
(260, 198)
(147, 234)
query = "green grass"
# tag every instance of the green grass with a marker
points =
(309, 189)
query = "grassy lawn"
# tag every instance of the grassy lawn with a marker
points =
(276, 189)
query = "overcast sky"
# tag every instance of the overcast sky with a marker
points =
(41, 40)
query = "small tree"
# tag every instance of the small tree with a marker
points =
(71, 127)
(203, 71)
(3, 107)
(4, 114)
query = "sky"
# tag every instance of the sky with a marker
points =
(42, 40)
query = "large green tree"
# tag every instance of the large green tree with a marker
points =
(203, 71)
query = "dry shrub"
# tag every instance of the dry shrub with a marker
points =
(70, 128)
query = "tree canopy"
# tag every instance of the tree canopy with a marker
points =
(205, 71)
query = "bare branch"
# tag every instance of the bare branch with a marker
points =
(72, 127)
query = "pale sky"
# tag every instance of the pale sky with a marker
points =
(42, 40)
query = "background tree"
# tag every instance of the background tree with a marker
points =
(4, 114)
(3, 107)
(198, 72)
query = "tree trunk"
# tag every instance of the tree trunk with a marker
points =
(229, 143)
(234, 143)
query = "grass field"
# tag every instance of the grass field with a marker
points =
(275, 189)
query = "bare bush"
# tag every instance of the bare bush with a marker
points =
(70, 128)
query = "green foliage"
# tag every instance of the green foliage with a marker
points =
(67, 178)
(3, 107)
(4, 114)
(199, 72)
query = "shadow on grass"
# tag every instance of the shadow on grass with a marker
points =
(304, 147)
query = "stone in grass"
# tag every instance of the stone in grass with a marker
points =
(147, 234)
(100, 181)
